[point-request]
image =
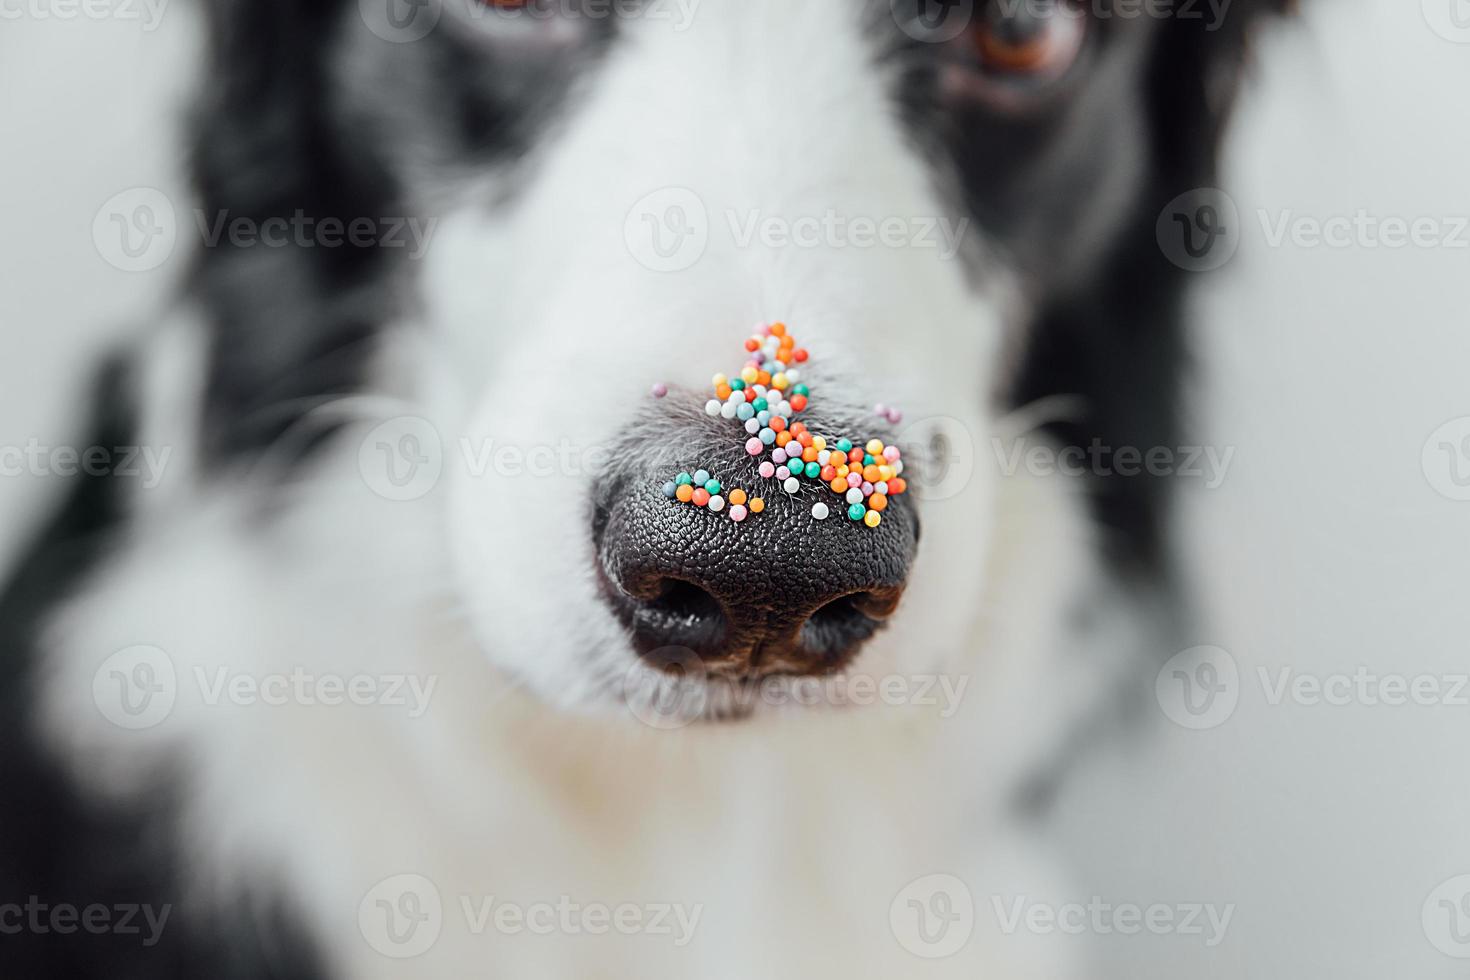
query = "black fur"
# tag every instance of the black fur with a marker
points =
(1118, 339)
(61, 848)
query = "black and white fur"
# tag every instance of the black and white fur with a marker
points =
(266, 828)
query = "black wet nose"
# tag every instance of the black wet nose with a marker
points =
(779, 593)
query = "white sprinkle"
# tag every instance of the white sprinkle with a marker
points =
(792, 484)
(752, 426)
(712, 407)
(855, 495)
(728, 410)
(716, 503)
(820, 512)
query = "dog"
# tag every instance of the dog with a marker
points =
(406, 667)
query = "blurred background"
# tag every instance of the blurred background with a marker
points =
(1335, 552)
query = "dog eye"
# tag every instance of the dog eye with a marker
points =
(534, 24)
(1018, 50)
(1037, 39)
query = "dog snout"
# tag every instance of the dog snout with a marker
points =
(779, 593)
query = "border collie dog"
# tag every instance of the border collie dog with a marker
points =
(408, 668)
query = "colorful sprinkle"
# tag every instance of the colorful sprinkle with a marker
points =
(765, 396)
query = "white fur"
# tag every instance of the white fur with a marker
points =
(527, 779)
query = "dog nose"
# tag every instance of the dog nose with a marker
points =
(779, 593)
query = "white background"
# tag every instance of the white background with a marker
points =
(1327, 548)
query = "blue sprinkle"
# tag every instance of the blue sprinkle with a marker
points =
(764, 418)
(671, 489)
(768, 436)
(744, 411)
(701, 477)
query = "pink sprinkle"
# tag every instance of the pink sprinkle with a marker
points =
(782, 472)
(660, 389)
(880, 409)
(854, 480)
(895, 416)
(768, 469)
(764, 330)
(737, 513)
(890, 453)
(867, 489)
(754, 446)
(779, 456)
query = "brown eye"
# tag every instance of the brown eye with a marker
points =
(1035, 40)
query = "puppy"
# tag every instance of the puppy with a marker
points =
(408, 668)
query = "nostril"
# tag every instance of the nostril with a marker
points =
(673, 612)
(847, 621)
(684, 602)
